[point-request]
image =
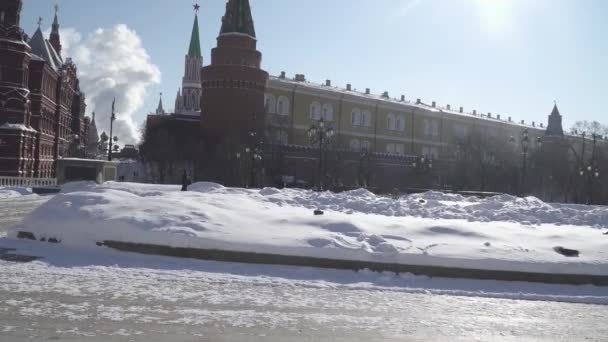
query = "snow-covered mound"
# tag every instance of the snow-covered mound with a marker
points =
(14, 192)
(502, 233)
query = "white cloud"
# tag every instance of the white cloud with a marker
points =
(112, 63)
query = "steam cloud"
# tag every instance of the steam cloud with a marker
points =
(112, 63)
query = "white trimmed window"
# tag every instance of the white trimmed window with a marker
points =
(355, 116)
(315, 111)
(400, 149)
(366, 118)
(283, 105)
(366, 146)
(355, 145)
(400, 123)
(270, 104)
(390, 121)
(328, 112)
(430, 152)
(281, 137)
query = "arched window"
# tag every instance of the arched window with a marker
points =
(390, 121)
(355, 116)
(400, 123)
(355, 145)
(281, 137)
(365, 146)
(400, 149)
(315, 111)
(283, 105)
(328, 112)
(270, 104)
(366, 119)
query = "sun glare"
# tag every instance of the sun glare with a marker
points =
(495, 15)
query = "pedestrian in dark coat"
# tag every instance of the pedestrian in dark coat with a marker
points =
(185, 181)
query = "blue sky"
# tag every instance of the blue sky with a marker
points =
(509, 57)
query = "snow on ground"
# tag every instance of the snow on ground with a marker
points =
(164, 279)
(500, 233)
(13, 192)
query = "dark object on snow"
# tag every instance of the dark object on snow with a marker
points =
(53, 240)
(421, 201)
(606, 233)
(185, 181)
(566, 252)
(319, 212)
(100, 244)
(26, 235)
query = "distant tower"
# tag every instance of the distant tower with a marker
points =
(92, 138)
(55, 39)
(233, 85)
(189, 101)
(554, 128)
(160, 110)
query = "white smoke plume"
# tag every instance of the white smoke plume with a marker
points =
(112, 63)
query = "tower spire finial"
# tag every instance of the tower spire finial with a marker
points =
(39, 22)
(196, 8)
(55, 39)
(195, 43)
(160, 110)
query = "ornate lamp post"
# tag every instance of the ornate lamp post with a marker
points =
(525, 147)
(255, 156)
(423, 164)
(112, 118)
(362, 157)
(321, 134)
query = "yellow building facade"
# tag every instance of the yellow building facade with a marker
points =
(380, 124)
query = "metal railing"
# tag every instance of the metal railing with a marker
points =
(27, 181)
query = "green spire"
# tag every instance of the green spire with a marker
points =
(195, 43)
(238, 18)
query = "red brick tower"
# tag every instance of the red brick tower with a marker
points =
(233, 92)
(16, 135)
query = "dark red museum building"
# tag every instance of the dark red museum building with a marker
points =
(42, 109)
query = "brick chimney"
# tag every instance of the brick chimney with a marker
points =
(349, 87)
(402, 98)
(461, 110)
(434, 104)
(328, 83)
(367, 91)
(282, 75)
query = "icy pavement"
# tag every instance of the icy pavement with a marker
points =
(99, 294)
(12, 210)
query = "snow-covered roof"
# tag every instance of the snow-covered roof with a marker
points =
(43, 49)
(17, 127)
(406, 103)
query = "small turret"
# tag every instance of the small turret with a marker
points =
(554, 128)
(55, 39)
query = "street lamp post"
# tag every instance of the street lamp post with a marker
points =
(255, 155)
(362, 156)
(320, 134)
(525, 146)
(112, 118)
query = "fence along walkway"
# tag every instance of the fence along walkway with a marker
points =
(27, 181)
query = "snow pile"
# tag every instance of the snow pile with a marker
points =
(15, 192)
(501, 233)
